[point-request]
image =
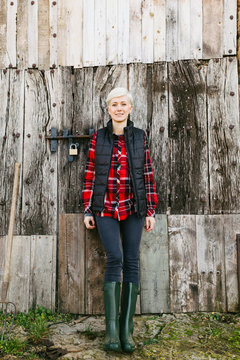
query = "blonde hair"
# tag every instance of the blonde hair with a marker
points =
(119, 91)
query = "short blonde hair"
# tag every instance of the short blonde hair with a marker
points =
(119, 91)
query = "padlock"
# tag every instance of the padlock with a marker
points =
(73, 149)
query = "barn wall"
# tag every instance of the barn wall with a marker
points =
(85, 33)
(190, 112)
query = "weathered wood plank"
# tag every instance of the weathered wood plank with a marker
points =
(88, 32)
(19, 285)
(196, 29)
(158, 136)
(11, 142)
(100, 32)
(159, 30)
(95, 265)
(184, 35)
(22, 34)
(71, 264)
(75, 34)
(11, 33)
(123, 31)
(231, 227)
(210, 259)
(171, 30)
(183, 257)
(229, 27)
(55, 28)
(212, 24)
(223, 134)
(154, 268)
(42, 275)
(40, 166)
(140, 87)
(147, 31)
(43, 34)
(135, 30)
(111, 32)
(188, 162)
(32, 33)
(3, 33)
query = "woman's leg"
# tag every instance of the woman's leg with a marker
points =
(109, 232)
(131, 229)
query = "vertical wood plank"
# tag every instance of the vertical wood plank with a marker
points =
(135, 31)
(12, 97)
(75, 34)
(71, 264)
(3, 33)
(32, 33)
(22, 34)
(100, 32)
(159, 30)
(229, 27)
(147, 31)
(158, 136)
(154, 272)
(19, 286)
(111, 32)
(43, 272)
(188, 185)
(39, 182)
(212, 24)
(123, 31)
(95, 265)
(211, 267)
(43, 34)
(184, 14)
(11, 33)
(55, 28)
(183, 257)
(223, 129)
(196, 29)
(140, 83)
(231, 227)
(88, 32)
(171, 30)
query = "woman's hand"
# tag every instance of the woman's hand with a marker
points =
(149, 223)
(89, 222)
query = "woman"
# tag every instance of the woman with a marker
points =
(119, 196)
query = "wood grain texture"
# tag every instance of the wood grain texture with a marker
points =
(3, 33)
(135, 30)
(71, 264)
(40, 171)
(211, 267)
(223, 136)
(88, 33)
(55, 28)
(196, 29)
(212, 24)
(123, 31)
(11, 34)
(159, 30)
(100, 32)
(22, 34)
(171, 43)
(147, 31)
(188, 152)
(111, 32)
(154, 268)
(229, 27)
(32, 33)
(183, 270)
(184, 31)
(12, 146)
(43, 34)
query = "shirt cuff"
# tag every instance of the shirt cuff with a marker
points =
(88, 213)
(150, 212)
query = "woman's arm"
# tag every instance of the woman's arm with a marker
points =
(89, 177)
(150, 187)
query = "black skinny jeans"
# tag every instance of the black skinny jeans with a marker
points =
(121, 255)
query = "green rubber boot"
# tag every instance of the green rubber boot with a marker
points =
(128, 307)
(111, 304)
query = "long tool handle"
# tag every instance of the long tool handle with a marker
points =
(8, 252)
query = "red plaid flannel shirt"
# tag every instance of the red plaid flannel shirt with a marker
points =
(119, 199)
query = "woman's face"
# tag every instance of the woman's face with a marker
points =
(119, 108)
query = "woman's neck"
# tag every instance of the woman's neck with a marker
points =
(118, 128)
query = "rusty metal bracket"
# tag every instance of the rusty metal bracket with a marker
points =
(238, 267)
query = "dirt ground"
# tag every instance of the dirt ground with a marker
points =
(167, 336)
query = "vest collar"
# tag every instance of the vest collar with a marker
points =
(127, 128)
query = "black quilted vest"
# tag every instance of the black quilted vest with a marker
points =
(134, 140)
